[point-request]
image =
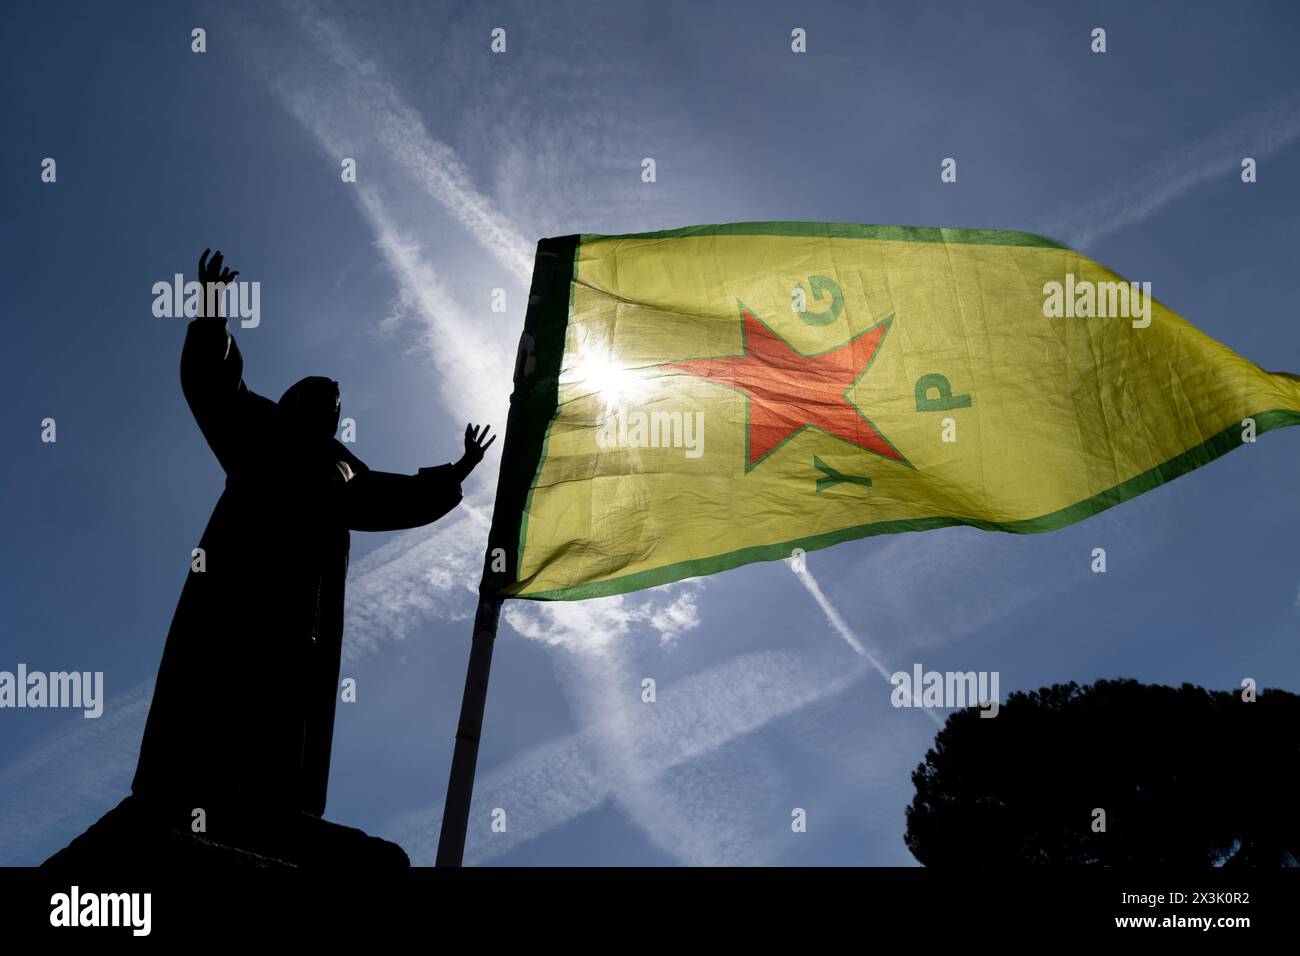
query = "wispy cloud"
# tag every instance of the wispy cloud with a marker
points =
(474, 361)
(597, 626)
(372, 101)
(645, 764)
(1259, 134)
(421, 575)
(841, 627)
(917, 591)
(71, 777)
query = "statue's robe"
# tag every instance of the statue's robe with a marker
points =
(246, 691)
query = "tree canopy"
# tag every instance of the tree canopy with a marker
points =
(1113, 773)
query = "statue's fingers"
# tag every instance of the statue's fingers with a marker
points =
(203, 261)
(490, 441)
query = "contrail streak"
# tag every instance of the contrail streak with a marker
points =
(841, 626)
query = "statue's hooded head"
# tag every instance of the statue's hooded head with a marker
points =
(313, 403)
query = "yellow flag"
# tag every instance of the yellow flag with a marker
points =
(693, 400)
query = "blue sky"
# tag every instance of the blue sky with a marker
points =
(465, 159)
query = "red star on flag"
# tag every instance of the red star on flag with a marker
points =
(788, 391)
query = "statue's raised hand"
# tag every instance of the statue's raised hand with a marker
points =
(476, 445)
(210, 274)
(214, 271)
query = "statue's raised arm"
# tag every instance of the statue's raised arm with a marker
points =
(382, 501)
(212, 377)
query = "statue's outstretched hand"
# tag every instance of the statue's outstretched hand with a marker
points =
(213, 272)
(476, 444)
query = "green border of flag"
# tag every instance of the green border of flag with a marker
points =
(535, 402)
(847, 230)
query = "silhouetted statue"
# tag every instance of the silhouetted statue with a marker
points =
(1184, 776)
(245, 697)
